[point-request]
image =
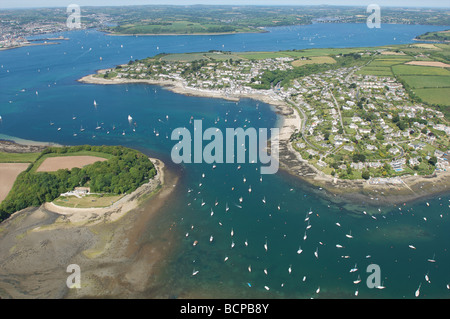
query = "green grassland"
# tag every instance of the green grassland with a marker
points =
(377, 71)
(434, 96)
(419, 70)
(18, 157)
(431, 81)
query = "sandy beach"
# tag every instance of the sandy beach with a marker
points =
(410, 188)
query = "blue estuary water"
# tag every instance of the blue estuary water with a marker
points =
(281, 240)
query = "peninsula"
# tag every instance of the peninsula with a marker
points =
(355, 119)
(78, 178)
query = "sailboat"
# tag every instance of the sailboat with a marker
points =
(417, 293)
(357, 281)
(95, 103)
(130, 118)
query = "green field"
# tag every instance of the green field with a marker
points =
(377, 71)
(405, 69)
(429, 81)
(434, 96)
(18, 157)
(387, 62)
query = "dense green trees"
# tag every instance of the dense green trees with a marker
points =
(123, 173)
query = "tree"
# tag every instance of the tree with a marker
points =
(433, 160)
(366, 175)
(359, 158)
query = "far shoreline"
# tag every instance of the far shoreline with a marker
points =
(412, 188)
(175, 34)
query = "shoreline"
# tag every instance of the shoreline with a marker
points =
(24, 142)
(27, 45)
(113, 251)
(411, 188)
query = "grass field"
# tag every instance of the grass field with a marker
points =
(377, 71)
(18, 157)
(430, 81)
(314, 60)
(90, 201)
(434, 96)
(387, 62)
(419, 70)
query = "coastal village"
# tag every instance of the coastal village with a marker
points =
(354, 126)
